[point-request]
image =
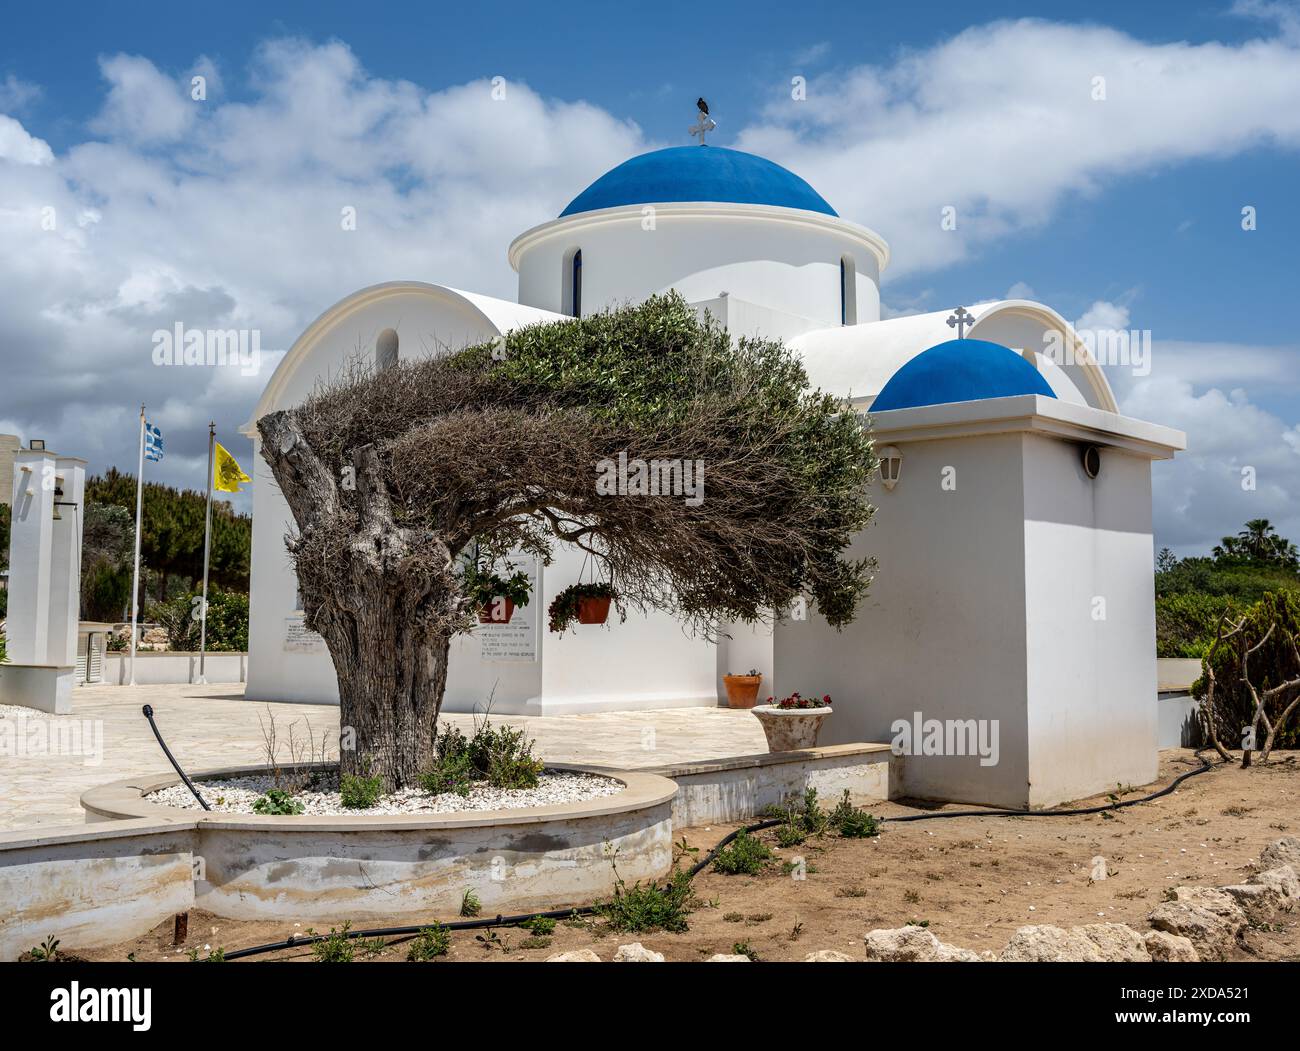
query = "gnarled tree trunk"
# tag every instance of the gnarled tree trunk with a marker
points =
(383, 596)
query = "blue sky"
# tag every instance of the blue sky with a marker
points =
(1128, 210)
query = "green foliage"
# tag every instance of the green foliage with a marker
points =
(648, 366)
(649, 908)
(107, 547)
(171, 540)
(360, 793)
(429, 944)
(501, 756)
(746, 950)
(563, 610)
(215, 956)
(540, 925)
(277, 802)
(746, 854)
(1192, 593)
(227, 620)
(853, 822)
(46, 952)
(1273, 663)
(336, 947)
(4, 651)
(469, 903)
(481, 585)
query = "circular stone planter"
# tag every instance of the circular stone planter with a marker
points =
(789, 729)
(410, 866)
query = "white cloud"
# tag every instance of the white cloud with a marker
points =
(144, 105)
(16, 94)
(1000, 123)
(20, 146)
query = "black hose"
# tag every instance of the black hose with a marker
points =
(587, 910)
(148, 714)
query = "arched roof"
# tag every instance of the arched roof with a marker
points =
(497, 316)
(858, 360)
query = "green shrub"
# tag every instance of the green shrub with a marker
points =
(1272, 664)
(1186, 623)
(650, 908)
(540, 925)
(430, 943)
(336, 947)
(469, 903)
(278, 802)
(501, 756)
(746, 950)
(360, 793)
(745, 855)
(853, 822)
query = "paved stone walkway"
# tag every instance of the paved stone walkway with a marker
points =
(210, 726)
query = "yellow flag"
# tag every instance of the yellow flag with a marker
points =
(227, 473)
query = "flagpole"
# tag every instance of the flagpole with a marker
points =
(135, 573)
(207, 547)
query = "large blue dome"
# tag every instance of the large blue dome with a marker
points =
(960, 370)
(698, 173)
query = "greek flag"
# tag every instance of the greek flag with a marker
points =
(153, 442)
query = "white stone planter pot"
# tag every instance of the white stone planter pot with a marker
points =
(789, 729)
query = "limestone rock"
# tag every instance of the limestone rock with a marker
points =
(1170, 948)
(637, 953)
(1259, 901)
(576, 956)
(1282, 879)
(914, 945)
(828, 956)
(1284, 851)
(1207, 917)
(723, 957)
(1046, 944)
(1117, 942)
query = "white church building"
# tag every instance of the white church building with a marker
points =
(1013, 530)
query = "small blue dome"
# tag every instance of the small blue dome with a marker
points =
(960, 370)
(698, 173)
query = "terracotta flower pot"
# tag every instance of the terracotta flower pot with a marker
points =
(742, 690)
(592, 610)
(497, 612)
(789, 729)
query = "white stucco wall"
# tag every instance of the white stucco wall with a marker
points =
(780, 257)
(1090, 622)
(942, 631)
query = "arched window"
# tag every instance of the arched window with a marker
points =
(571, 283)
(386, 349)
(848, 291)
(575, 281)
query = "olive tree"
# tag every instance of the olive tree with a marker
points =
(397, 477)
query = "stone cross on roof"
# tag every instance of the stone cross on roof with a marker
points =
(960, 320)
(705, 123)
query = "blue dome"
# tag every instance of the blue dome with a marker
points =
(960, 370)
(698, 173)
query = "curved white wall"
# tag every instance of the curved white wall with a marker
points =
(785, 259)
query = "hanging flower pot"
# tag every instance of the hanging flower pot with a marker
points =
(581, 603)
(496, 596)
(498, 610)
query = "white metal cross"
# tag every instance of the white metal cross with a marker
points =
(703, 126)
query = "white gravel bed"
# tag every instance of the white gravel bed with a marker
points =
(17, 711)
(236, 795)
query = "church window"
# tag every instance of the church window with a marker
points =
(848, 291)
(573, 284)
(386, 349)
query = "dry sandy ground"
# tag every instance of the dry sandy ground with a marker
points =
(975, 880)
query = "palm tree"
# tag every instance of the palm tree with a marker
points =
(1259, 539)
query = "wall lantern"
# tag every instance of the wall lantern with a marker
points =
(891, 465)
(1090, 457)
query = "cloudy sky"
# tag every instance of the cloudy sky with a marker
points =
(1099, 160)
